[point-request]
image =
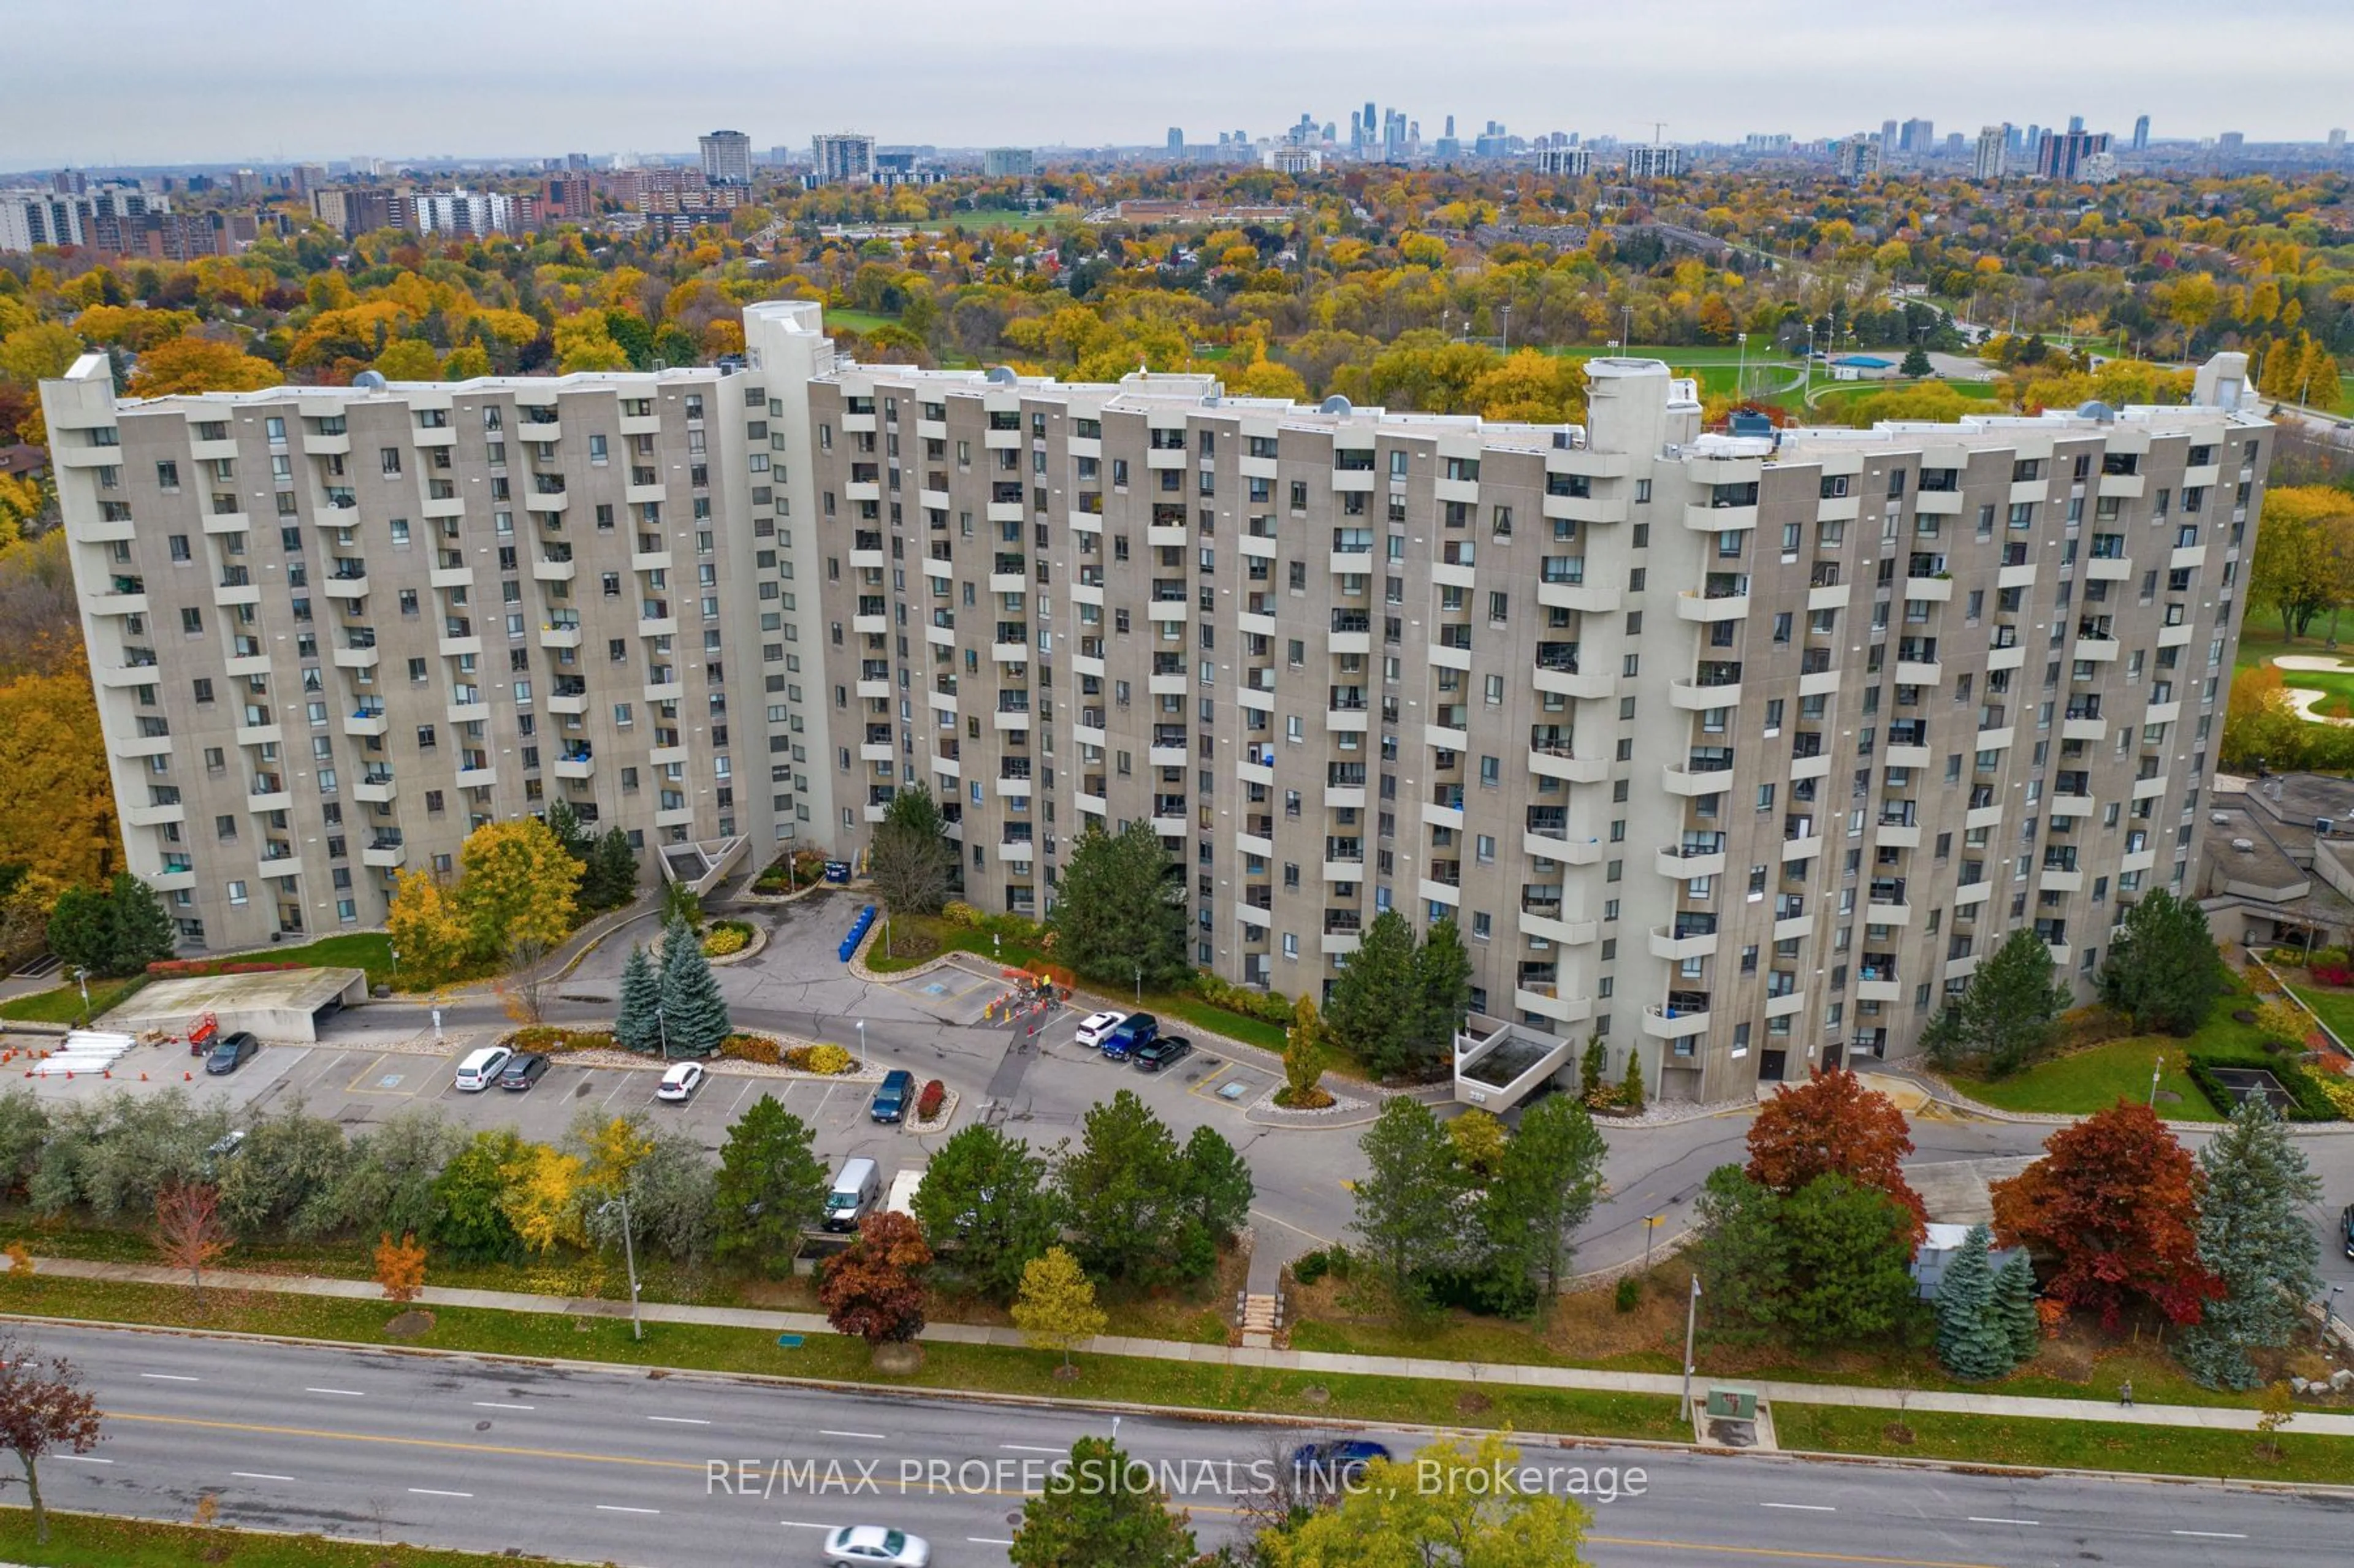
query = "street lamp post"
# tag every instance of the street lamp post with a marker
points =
(2155, 1068)
(1139, 985)
(1650, 1228)
(862, 1042)
(1507, 311)
(1741, 375)
(1692, 1321)
(2329, 1311)
(630, 1260)
(81, 975)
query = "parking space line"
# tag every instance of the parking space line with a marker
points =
(369, 1079)
(617, 1089)
(1224, 1067)
(749, 1085)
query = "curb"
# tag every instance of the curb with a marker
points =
(1192, 1413)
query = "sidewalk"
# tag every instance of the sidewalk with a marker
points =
(2214, 1418)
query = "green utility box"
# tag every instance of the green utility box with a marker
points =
(1732, 1405)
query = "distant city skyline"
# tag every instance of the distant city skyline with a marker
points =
(186, 85)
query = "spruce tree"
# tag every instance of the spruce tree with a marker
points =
(694, 1015)
(1972, 1340)
(1442, 993)
(1371, 1012)
(2014, 1300)
(143, 934)
(2254, 1239)
(611, 879)
(2163, 971)
(637, 1025)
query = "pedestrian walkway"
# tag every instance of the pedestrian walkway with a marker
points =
(1509, 1374)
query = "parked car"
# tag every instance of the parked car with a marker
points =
(1336, 1461)
(481, 1068)
(680, 1082)
(2346, 1226)
(890, 1101)
(233, 1051)
(1095, 1025)
(873, 1546)
(523, 1071)
(1137, 1029)
(1161, 1050)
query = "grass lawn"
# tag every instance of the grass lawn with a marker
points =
(94, 1540)
(62, 1004)
(981, 1368)
(2339, 685)
(2093, 1079)
(2333, 1007)
(857, 320)
(2082, 1444)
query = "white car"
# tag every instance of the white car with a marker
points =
(1095, 1025)
(680, 1082)
(871, 1546)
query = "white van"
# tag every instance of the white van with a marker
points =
(905, 1184)
(481, 1068)
(854, 1191)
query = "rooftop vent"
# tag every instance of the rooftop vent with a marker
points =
(2245, 846)
(1001, 376)
(1335, 404)
(368, 381)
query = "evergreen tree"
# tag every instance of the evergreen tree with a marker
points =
(1630, 1087)
(1121, 909)
(637, 1025)
(694, 1015)
(769, 1188)
(1215, 1190)
(611, 879)
(1541, 1195)
(1972, 1340)
(1590, 1067)
(2014, 1295)
(143, 931)
(1442, 994)
(82, 929)
(2163, 971)
(1916, 363)
(2004, 1017)
(911, 861)
(1407, 1205)
(1373, 1007)
(1122, 1190)
(2254, 1238)
(564, 824)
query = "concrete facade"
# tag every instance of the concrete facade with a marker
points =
(1737, 752)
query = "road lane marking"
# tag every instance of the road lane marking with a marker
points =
(1983, 1519)
(257, 1475)
(802, 1524)
(344, 1393)
(82, 1458)
(170, 1377)
(2211, 1534)
(617, 1507)
(430, 1492)
(868, 1437)
(1029, 1448)
(494, 1405)
(680, 1420)
(989, 1541)
(1803, 1508)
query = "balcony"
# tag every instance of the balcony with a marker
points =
(1665, 942)
(1690, 778)
(384, 857)
(1698, 696)
(1704, 519)
(1681, 862)
(1551, 756)
(1546, 1001)
(1711, 606)
(1936, 589)
(365, 721)
(1919, 671)
(1675, 1024)
(1563, 593)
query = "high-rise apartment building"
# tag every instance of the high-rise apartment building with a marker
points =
(727, 158)
(1888, 140)
(29, 218)
(844, 158)
(1917, 138)
(2141, 134)
(1653, 162)
(1994, 145)
(1565, 157)
(2336, 142)
(1009, 163)
(1856, 157)
(1176, 139)
(1738, 751)
(2061, 154)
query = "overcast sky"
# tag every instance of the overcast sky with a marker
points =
(163, 81)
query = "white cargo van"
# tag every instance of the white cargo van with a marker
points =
(854, 1191)
(904, 1184)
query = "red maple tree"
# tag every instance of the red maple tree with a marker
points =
(2117, 1199)
(1832, 1125)
(874, 1290)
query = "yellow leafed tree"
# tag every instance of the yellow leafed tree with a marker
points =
(517, 888)
(192, 363)
(614, 1148)
(425, 931)
(57, 811)
(539, 1194)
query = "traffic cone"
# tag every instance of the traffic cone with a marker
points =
(142, 1078)
(185, 1077)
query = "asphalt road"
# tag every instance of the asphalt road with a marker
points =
(644, 1471)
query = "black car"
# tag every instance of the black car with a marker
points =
(1335, 1462)
(2346, 1224)
(1159, 1051)
(232, 1052)
(522, 1072)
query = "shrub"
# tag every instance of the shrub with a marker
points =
(726, 937)
(1630, 1293)
(1309, 1267)
(960, 914)
(750, 1048)
(929, 1100)
(910, 944)
(2331, 974)
(1266, 1006)
(2311, 1101)
(2085, 1026)
(2286, 957)
(550, 1039)
(180, 966)
(2340, 1092)
(826, 1059)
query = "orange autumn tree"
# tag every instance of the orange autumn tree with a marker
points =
(400, 1267)
(1832, 1125)
(2117, 1199)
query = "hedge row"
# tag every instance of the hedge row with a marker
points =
(2312, 1103)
